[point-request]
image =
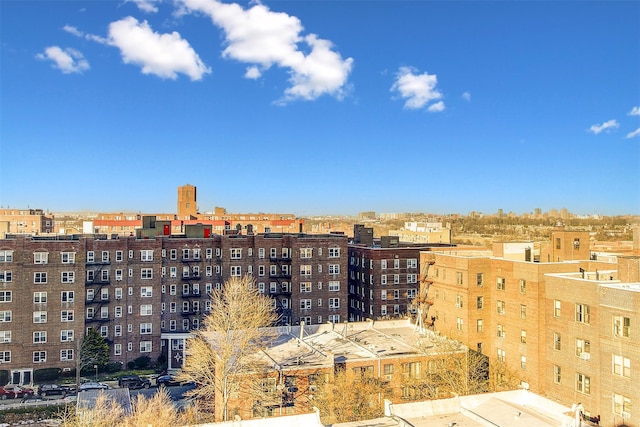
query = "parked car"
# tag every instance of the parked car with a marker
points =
(5, 394)
(17, 391)
(54, 390)
(167, 380)
(93, 385)
(133, 381)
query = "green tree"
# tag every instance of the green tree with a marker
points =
(94, 351)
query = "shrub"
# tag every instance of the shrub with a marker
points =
(46, 374)
(113, 367)
(141, 362)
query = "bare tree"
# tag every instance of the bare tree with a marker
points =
(349, 396)
(219, 356)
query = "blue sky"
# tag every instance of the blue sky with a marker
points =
(321, 107)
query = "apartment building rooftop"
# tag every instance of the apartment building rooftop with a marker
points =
(315, 346)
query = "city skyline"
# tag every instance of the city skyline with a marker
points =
(321, 108)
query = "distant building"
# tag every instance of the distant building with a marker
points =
(25, 221)
(383, 275)
(423, 232)
(187, 205)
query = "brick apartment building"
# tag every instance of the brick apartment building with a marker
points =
(27, 221)
(145, 293)
(383, 275)
(533, 317)
(301, 358)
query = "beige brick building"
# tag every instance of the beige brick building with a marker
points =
(552, 323)
(26, 221)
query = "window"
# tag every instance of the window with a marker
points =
(500, 283)
(40, 277)
(146, 255)
(557, 341)
(236, 270)
(412, 263)
(583, 348)
(459, 323)
(306, 253)
(458, 278)
(90, 312)
(500, 307)
(305, 270)
(480, 325)
(523, 311)
(582, 313)
(411, 293)
(396, 279)
(305, 287)
(479, 279)
(5, 356)
(6, 256)
(118, 311)
(39, 356)
(39, 317)
(411, 370)
(621, 326)
(5, 276)
(334, 268)
(146, 292)
(479, 303)
(459, 302)
(40, 337)
(383, 264)
(502, 355)
(67, 296)
(41, 257)
(583, 383)
(334, 318)
(523, 336)
(558, 243)
(557, 374)
(146, 273)
(5, 296)
(556, 308)
(523, 362)
(5, 336)
(66, 335)
(208, 253)
(621, 365)
(146, 310)
(396, 264)
(118, 293)
(117, 349)
(334, 302)
(145, 328)
(383, 294)
(104, 312)
(39, 297)
(105, 256)
(622, 405)
(145, 346)
(396, 294)
(334, 252)
(383, 279)
(68, 257)
(185, 253)
(90, 256)
(66, 316)
(501, 331)
(523, 286)
(305, 304)
(118, 255)
(236, 253)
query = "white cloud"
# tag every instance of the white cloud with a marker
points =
(466, 96)
(606, 126)
(253, 73)
(164, 55)
(66, 60)
(635, 111)
(417, 89)
(145, 5)
(634, 133)
(437, 107)
(265, 38)
(72, 30)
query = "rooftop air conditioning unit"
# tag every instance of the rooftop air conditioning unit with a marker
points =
(585, 356)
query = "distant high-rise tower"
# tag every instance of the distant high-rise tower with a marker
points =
(187, 200)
